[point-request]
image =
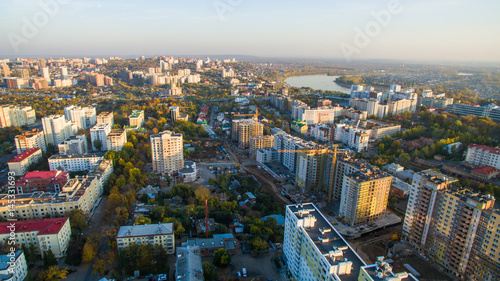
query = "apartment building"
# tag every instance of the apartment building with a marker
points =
(136, 119)
(235, 124)
(322, 132)
(167, 152)
(116, 139)
(30, 139)
(379, 131)
(11, 115)
(365, 194)
(105, 118)
(314, 250)
(248, 130)
(46, 181)
(287, 147)
(98, 133)
(260, 142)
(155, 234)
(310, 169)
(354, 137)
(13, 267)
(46, 234)
(74, 145)
(266, 155)
(175, 111)
(83, 117)
(20, 163)
(465, 109)
(78, 193)
(483, 155)
(56, 129)
(75, 162)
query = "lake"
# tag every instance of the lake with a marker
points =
(317, 82)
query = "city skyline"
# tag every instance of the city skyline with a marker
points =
(359, 30)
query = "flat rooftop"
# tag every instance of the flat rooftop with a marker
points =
(145, 230)
(136, 113)
(328, 241)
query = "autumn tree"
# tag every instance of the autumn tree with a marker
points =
(53, 273)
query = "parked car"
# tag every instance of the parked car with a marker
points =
(244, 271)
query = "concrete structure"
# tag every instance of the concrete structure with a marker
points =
(13, 267)
(78, 193)
(30, 139)
(175, 111)
(16, 116)
(310, 168)
(465, 109)
(74, 145)
(155, 234)
(248, 130)
(83, 117)
(188, 266)
(105, 118)
(167, 152)
(265, 155)
(53, 234)
(286, 146)
(378, 132)
(314, 250)
(483, 155)
(136, 119)
(56, 129)
(382, 271)
(100, 133)
(188, 173)
(344, 165)
(116, 139)
(46, 181)
(209, 245)
(364, 196)
(354, 137)
(20, 163)
(260, 142)
(75, 162)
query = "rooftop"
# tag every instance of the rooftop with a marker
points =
(44, 227)
(327, 240)
(116, 133)
(188, 266)
(484, 170)
(100, 126)
(36, 175)
(486, 148)
(145, 230)
(5, 262)
(136, 113)
(24, 155)
(382, 271)
(74, 156)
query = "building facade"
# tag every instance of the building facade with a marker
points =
(20, 163)
(116, 139)
(167, 152)
(483, 155)
(155, 234)
(30, 139)
(56, 129)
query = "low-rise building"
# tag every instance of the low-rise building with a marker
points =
(188, 173)
(209, 245)
(13, 267)
(46, 181)
(20, 163)
(46, 234)
(188, 266)
(75, 162)
(155, 234)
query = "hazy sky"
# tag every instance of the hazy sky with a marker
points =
(419, 29)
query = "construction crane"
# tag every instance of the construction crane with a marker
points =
(332, 150)
(256, 115)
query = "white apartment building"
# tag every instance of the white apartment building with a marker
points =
(314, 250)
(74, 145)
(83, 117)
(287, 145)
(16, 116)
(116, 139)
(56, 129)
(30, 139)
(155, 234)
(309, 167)
(105, 118)
(13, 268)
(167, 152)
(322, 132)
(265, 155)
(20, 163)
(320, 115)
(100, 132)
(74, 162)
(483, 155)
(47, 234)
(354, 137)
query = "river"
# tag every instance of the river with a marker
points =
(317, 82)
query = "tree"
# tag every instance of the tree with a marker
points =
(258, 244)
(89, 251)
(208, 271)
(78, 221)
(222, 257)
(53, 273)
(404, 159)
(49, 259)
(97, 144)
(140, 220)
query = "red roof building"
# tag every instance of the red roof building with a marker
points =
(46, 181)
(19, 164)
(24, 155)
(53, 234)
(485, 173)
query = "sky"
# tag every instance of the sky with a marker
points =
(445, 30)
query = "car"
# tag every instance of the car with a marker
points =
(239, 274)
(244, 272)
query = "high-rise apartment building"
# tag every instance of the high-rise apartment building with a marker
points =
(174, 112)
(136, 119)
(98, 133)
(30, 139)
(116, 139)
(56, 129)
(248, 130)
(310, 169)
(64, 73)
(74, 145)
(314, 250)
(11, 115)
(483, 155)
(260, 142)
(84, 117)
(364, 196)
(45, 73)
(105, 118)
(167, 152)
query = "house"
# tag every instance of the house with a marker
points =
(251, 197)
(151, 191)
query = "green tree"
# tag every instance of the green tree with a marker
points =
(49, 259)
(404, 159)
(53, 273)
(78, 221)
(209, 271)
(140, 220)
(258, 244)
(222, 257)
(97, 144)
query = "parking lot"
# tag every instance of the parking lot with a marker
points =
(260, 266)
